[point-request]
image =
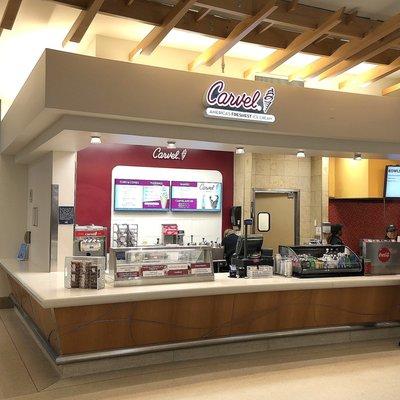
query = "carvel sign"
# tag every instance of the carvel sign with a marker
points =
(243, 107)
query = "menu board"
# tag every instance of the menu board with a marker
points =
(141, 195)
(196, 196)
(392, 182)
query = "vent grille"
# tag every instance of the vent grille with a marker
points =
(278, 81)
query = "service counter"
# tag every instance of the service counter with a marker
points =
(76, 321)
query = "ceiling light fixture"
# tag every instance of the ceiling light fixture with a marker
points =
(171, 145)
(357, 156)
(301, 154)
(95, 140)
(239, 150)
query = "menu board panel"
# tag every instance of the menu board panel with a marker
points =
(141, 195)
(196, 196)
(392, 184)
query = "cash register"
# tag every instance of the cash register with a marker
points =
(250, 258)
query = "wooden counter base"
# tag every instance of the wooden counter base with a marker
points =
(93, 328)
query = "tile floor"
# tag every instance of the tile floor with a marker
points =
(360, 370)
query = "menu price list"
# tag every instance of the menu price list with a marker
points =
(196, 196)
(140, 194)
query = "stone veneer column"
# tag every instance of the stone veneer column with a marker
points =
(319, 191)
(271, 171)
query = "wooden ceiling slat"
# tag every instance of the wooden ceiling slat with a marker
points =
(391, 89)
(348, 50)
(392, 40)
(158, 33)
(243, 28)
(211, 25)
(374, 75)
(277, 58)
(293, 5)
(201, 14)
(10, 14)
(83, 22)
(303, 17)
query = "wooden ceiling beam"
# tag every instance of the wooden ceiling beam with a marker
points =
(391, 89)
(82, 23)
(154, 13)
(242, 29)
(158, 33)
(129, 2)
(374, 75)
(10, 14)
(386, 43)
(302, 41)
(347, 50)
(302, 18)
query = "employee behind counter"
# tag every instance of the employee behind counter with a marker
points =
(229, 244)
(335, 235)
(391, 233)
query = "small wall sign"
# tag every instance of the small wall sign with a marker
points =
(166, 154)
(243, 107)
(66, 215)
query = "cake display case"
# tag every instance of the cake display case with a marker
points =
(160, 264)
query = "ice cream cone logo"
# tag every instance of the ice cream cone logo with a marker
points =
(268, 99)
(164, 197)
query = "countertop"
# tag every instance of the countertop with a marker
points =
(48, 288)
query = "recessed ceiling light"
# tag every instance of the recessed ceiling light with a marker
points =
(357, 156)
(239, 150)
(301, 154)
(171, 145)
(95, 140)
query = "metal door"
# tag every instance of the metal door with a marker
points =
(283, 207)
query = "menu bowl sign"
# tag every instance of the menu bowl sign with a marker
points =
(242, 107)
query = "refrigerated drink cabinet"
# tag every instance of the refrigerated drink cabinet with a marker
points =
(319, 261)
(382, 256)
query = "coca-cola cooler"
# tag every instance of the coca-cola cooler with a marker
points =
(381, 257)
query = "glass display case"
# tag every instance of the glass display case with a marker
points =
(319, 260)
(160, 264)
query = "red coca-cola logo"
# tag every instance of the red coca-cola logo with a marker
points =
(384, 254)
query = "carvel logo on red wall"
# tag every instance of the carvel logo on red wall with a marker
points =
(384, 254)
(161, 154)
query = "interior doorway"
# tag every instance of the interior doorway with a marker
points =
(284, 209)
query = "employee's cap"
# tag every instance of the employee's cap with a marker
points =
(391, 228)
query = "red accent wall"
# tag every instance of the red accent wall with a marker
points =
(96, 162)
(363, 219)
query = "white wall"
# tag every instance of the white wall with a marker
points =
(39, 182)
(200, 225)
(13, 179)
(64, 167)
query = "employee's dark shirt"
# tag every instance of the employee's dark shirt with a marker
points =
(229, 243)
(336, 240)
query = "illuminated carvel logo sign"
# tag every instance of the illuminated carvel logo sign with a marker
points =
(166, 154)
(244, 107)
